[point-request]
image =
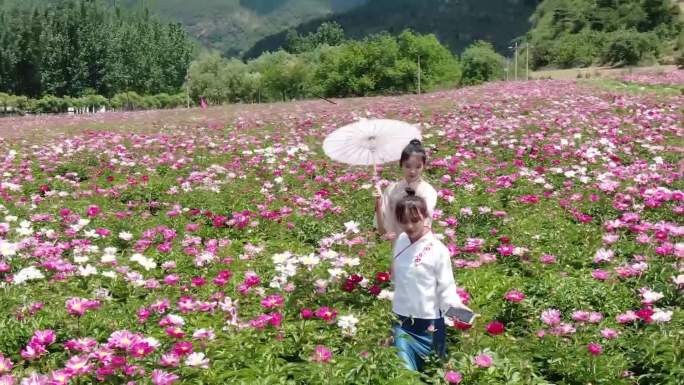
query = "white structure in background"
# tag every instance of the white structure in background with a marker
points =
(86, 110)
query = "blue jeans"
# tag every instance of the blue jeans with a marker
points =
(416, 338)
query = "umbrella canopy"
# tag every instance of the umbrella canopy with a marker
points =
(370, 141)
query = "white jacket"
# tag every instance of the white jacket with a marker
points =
(423, 278)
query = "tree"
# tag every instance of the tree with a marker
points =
(568, 33)
(437, 64)
(630, 47)
(480, 63)
(66, 47)
(328, 33)
(284, 75)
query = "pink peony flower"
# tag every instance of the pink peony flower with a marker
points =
(140, 349)
(595, 349)
(43, 337)
(600, 275)
(79, 365)
(547, 259)
(483, 360)
(33, 351)
(123, 339)
(93, 211)
(272, 301)
(580, 316)
(514, 296)
(160, 377)
(463, 295)
(171, 360)
(79, 306)
(321, 354)
(609, 334)
(175, 332)
(626, 317)
(60, 377)
(551, 317)
(453, 377)
(5, 365)
(326, 313)
(182, 348)
(306, 313)
(84, 344)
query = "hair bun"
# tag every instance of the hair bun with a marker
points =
(415, 142)
(410, 192)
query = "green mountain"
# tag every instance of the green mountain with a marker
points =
(456, 23)
(234, 26)
(229, 26)
(578, 33)
(249, 27)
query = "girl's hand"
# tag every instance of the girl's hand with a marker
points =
(464, 307)
(389, 236)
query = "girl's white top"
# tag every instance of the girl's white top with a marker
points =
(423, 279)
(393, 194)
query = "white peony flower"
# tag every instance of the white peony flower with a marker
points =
(660, 315)
(348, 324)
(28, 274)
(197, 360)
(87, 270)
(125, 235)
(310, 260)
(352, 227)
(8, 249)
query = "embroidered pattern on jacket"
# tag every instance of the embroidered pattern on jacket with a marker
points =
(420, 255)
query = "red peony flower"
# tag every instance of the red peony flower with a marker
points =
(495, 328)
(382, 277)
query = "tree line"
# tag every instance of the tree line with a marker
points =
(325, 64)
(76, 48)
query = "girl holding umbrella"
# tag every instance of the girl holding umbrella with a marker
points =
(412, 162)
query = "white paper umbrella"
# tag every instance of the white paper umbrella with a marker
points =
(370, 141)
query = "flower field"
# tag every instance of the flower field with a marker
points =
(667, 78)
(220, 246)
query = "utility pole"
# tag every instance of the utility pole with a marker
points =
(418, 74)
(187, 90)
(505, 68)
(527, 61)
(516, 61)
(514, 47)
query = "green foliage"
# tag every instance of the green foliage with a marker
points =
(77, 47)
(283, 75)
(328, 33)
(10, 104)
(49, 103)
(679, 58)
(480, 63)
(570, 33)
(379, 64)
(629, 47)
(577, 50)
(456, 23)
(218, 80)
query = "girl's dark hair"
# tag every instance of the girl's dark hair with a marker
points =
(413, 148)
(411, 207)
